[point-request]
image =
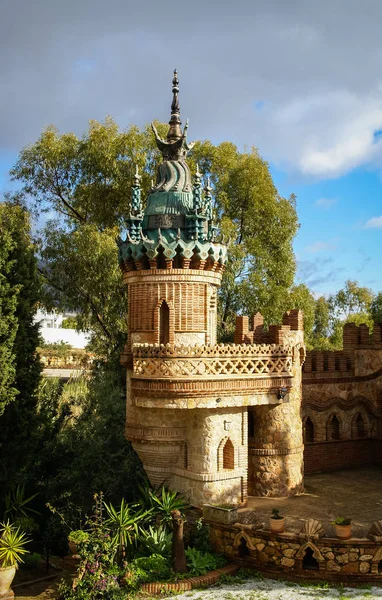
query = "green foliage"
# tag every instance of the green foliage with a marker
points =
(154, 540)
(123, 523)
(19, 293)
(350, 300)
(162, 502)
(199, 563)
(376, 308)
(301, 297)
(12, 545)
(78, 180)
(146, 570)
(342, 521)
(276, 514)
(17, 505)
(69, 323)
(200, 536)
(82, 431)
(19, 362)
(79, 536)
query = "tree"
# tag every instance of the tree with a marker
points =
(87, 182)
(17, 424)
(351, 300)
(8, 305)
(301, 297)
(376, 308)
(261, 225)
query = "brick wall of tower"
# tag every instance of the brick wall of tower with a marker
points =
(190, 296)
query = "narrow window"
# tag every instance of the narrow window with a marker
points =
(308, 430)
(164, 324)
(228, 455)
(309, 563)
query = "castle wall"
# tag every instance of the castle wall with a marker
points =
(346, 385)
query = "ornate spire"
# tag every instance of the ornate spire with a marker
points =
(136, 204)
(175, 132)
(197, 190)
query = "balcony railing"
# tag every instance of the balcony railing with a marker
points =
(222, 360)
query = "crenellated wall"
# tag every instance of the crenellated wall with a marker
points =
(342, 402)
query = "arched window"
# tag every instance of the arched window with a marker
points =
(333, 429)
(308, 430)
(358, 427)
(164, 323)
(228, 455)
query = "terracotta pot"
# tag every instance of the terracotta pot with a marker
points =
(343, 532)
(6, 577)
(73, 547)
(277, 525)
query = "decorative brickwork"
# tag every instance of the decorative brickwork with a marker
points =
(187, 397)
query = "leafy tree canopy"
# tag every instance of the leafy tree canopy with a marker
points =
(86, 183)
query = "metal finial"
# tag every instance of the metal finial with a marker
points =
(175, 133)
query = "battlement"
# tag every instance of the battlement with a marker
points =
(356, 336)
(329, 362)
(251, 330)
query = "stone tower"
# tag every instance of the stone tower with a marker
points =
(189, 399)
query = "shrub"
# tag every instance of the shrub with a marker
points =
(147, 570)
(155, 541)
(199, 563)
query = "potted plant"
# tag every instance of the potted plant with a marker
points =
(276, 521)
(343, 528)
(12, 542)
(75, 538)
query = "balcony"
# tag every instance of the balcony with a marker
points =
(230, 374)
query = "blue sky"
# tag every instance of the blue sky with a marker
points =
(299, 80)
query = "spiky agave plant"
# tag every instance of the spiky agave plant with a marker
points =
(12, 545)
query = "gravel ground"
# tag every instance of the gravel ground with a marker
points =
(268, 589)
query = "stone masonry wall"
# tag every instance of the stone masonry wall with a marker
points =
(335, 559)
(345, 386)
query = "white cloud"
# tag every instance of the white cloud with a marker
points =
(374, 223)
(325, 203)
(320, 247)
(319, 83)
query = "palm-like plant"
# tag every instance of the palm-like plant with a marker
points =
(155, 541)
(123, 522)
(12, 542)
(16, 504)
(165, 502)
